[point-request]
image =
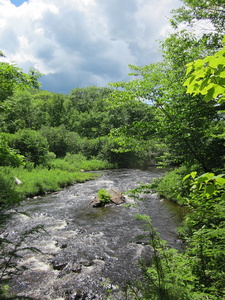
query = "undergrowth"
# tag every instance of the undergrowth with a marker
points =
(172, 186)
(197, 273)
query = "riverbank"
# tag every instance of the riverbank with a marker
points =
(20, 183)
(203, 231)
(42, 181)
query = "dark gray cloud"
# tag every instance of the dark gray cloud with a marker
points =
(121, 18)
(76, 43)
(68, 29)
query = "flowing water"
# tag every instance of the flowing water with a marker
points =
(88, 251)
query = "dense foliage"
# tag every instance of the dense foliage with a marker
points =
(63, 124)
(186, 93)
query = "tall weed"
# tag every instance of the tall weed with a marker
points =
(168, 274)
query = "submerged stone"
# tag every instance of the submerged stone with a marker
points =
(58, 265)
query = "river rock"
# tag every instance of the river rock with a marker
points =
(59, 264)
(17, 181)
(116, 198)
(76, 268)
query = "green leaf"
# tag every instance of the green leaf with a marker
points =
(199, 63)
(222, 74)
(201, 179)
(193, 174)
(215, 62)
(210, 189)
(187, 82)
(186, 177)
(204, 83)
(221, 180)
(200, 74)
(218, 90)
(221, 100)
(222, 82)
(192, 88)
(189, 68)
(209, 96)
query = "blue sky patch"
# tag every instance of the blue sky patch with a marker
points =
(18, 2)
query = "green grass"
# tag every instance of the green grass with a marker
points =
(77, 162)
(41, 181)
(37, 181)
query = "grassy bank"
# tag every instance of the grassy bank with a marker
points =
(40, 181)
(57, 174)
(36, 182)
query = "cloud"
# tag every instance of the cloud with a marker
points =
(83, 42)
(120, 18)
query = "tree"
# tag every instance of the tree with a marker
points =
(60, 140)
(89, 98)
(212, 11)
(12, 78)
(8, 156)
(56, 110)
(31, 144)
(207, 77)
(187, 125)
(18, 112)
(184, 123)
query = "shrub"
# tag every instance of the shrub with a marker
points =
(167, 275)
(60, 140)
(8, 156)
(8, 194)
(31, 144)
(104, 196)
(204, 230)
(172, 186)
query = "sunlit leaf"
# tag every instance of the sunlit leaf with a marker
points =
(193, 174)
(186, 177)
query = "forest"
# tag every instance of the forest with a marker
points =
(169, 114)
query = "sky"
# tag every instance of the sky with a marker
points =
(79, 43)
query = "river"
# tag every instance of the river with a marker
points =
(88, 251)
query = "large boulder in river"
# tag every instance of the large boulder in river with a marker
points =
(115, 197)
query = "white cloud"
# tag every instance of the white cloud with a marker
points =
(83, 42)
